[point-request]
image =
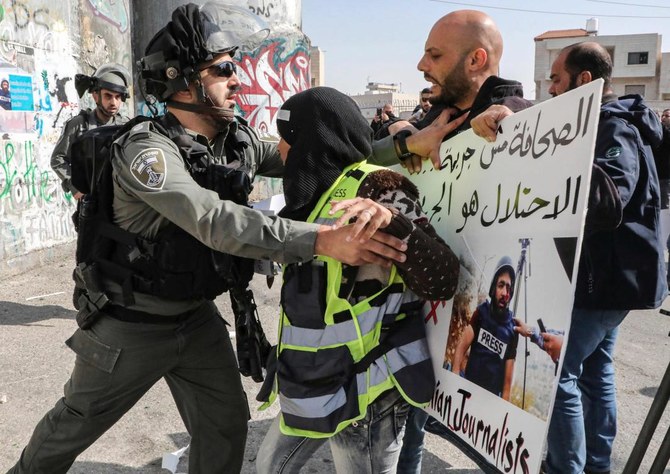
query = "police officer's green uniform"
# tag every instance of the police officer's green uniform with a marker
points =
(125, 352)
(110, 76)
(118, 361)
(73, 128)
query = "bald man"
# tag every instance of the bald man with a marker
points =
(461, 59)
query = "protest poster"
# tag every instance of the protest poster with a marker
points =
(520, 201)
(21, 92)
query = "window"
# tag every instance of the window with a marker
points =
(638, 58)
(635, 90)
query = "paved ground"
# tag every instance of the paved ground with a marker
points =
(36, 317)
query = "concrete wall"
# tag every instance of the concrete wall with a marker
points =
(279, 68)
(43, 44)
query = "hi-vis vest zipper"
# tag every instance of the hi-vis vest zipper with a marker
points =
(335, 358)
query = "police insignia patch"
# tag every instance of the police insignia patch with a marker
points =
(613, 152)
(148, 168)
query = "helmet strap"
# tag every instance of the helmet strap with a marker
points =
(100, 109)
(220, 112)
(205, 104)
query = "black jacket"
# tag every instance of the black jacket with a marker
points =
(662, 156)
(622, 266)
(494, 91)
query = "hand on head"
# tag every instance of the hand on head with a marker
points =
(381, 249)
(369, 215)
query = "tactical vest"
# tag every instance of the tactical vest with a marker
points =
(486, 364)
(335, 358)
(173, 265)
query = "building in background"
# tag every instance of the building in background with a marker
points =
(317, 66)
(378, 93)
(639, 66)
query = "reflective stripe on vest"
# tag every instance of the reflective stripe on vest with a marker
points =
(321, 342)
(339, 333)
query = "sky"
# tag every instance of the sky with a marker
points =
(383, 40)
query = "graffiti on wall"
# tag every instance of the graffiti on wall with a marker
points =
(114, 12)
(34, 210)
(269, 76)
(278, 13)
(43, 44)
(34, 24)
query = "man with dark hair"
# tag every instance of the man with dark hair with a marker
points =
(109, 88)
(491, 338)
(621, 266)
(5, 95)
(423, 107)
(170, 238)
(381, 119)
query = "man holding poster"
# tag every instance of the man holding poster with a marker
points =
(621, 267)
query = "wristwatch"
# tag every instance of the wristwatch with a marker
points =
(401, 139)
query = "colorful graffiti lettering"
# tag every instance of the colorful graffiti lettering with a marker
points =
(269, 77)
(114, 12)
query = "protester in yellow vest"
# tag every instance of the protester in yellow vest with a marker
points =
(352, 354)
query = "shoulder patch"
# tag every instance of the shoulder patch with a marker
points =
(149, 168)
(613, 152)
(140, 131)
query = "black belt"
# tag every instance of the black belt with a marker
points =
(133, 316)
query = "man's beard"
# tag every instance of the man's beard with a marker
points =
(499, 313)
(453, 88)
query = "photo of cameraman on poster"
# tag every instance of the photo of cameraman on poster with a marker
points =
(490, 337)
(497, 338)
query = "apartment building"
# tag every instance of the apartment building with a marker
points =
(639, 65)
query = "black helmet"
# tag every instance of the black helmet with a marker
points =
(504, 265)
(196, 34)
(110, 76)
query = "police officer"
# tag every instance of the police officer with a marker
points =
(109, 88)
(160, 320)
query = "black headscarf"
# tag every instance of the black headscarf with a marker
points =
(327, 133)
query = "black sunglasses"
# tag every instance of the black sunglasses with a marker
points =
(223, 69)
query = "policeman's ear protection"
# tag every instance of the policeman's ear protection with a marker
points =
(84, 83)
(161, 78)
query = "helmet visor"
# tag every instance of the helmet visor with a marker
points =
(227, 28)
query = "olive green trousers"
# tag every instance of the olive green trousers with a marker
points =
(118, 362)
